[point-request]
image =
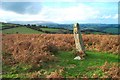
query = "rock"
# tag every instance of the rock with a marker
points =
(78, 40)
(77, 58)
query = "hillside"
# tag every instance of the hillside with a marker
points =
(53, 28)
(52, 56)
(8, 28)
(28, 53)
(20, 30)
(96, 65)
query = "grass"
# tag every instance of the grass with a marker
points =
(50, 29)
(20, 30)
(111, 30)
(0, 26)
(8, 25)
(73, 68)
(93, 59)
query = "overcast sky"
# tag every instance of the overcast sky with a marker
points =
(60, 11)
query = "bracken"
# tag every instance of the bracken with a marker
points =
(39, 48)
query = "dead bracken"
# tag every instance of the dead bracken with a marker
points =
(39, 48)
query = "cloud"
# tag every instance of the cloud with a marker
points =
(58, 14)
(79, 12)
(12, 16)
(22, 7)
(62, 13)
(114, 16)
(106, 17)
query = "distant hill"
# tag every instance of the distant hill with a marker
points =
(87, 28)
(32, 22)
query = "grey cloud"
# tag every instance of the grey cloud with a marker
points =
(22, 7)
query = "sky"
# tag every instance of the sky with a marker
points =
(67, 11)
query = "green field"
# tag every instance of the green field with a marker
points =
(8, 25)
(25, 30)
(0, 26)
(72, 68)
(111, 30)
(20, 30)
(50, 29)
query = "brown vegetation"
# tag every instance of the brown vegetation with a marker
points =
(39, 48)
(111, 70)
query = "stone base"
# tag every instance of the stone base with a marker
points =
(78, 58)
(80, 53)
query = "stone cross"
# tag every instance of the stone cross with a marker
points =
(78, 40)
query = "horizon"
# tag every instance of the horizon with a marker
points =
(60, 23)
(61, 12)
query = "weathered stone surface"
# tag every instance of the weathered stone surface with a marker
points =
(78, 40)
